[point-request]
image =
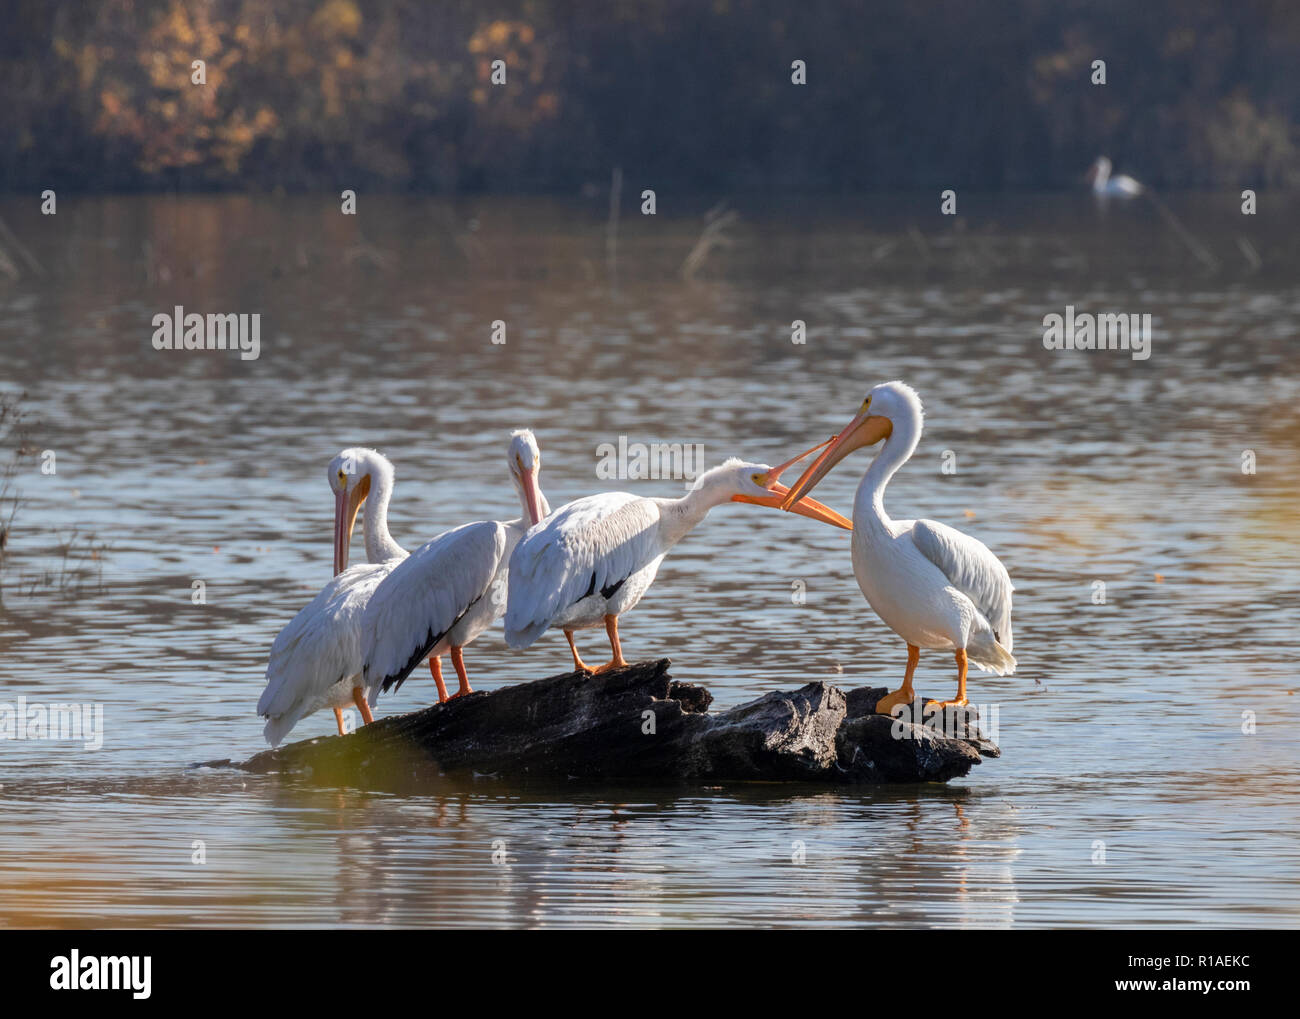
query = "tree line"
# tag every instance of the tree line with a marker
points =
(734, 96)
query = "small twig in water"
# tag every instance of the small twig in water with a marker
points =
(717, 222)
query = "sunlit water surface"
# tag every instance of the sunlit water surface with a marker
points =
(1128, 793)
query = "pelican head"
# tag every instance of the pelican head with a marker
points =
(1099, 172)
(525, 461)
(352, 474)
(885, 404)
(756, 483)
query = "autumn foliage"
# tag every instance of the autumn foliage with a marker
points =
(302, 94)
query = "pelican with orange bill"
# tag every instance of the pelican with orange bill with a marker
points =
(934, 586)
(592, 559)
(315, 661)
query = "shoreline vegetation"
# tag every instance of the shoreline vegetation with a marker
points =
(64, 562)
(468, 96)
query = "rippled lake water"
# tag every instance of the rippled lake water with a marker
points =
(1128, 793)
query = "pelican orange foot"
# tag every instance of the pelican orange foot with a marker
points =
(617, 662)
(904, 694)
(458, 661)
(359, 699)
(960, 700)
(435, 667)
(578, 664)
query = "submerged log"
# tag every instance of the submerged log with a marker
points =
(638, 724)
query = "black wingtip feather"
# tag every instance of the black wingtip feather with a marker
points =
(394, 680)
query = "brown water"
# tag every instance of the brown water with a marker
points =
(1124, 724)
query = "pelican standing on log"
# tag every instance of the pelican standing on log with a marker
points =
(932, 585)
(594, 558)
(448, 591)
(315, 661)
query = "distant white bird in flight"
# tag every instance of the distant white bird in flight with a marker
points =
(1119, 186)
(315, 661)
(932, 585)
(448, 591)
(594, 558)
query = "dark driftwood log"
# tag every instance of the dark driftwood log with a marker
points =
(596, 728)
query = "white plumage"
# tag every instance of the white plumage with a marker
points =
(594, 558)
(315, 661)
(931, 584)
(446, 592)
(969, 566)
(449, 590)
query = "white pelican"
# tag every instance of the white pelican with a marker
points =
(932, 585)
(594, 558)
(451, 589)
(315, 661)
(1103, 184)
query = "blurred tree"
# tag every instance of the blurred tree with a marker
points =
(697, 96)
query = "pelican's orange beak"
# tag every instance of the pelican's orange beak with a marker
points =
(346, 505)
(864, 430)
(529, 480)
(805, 507)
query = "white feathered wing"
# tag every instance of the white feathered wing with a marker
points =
(427, 594)
(591, 545)
(978, 574)
(315, 661)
